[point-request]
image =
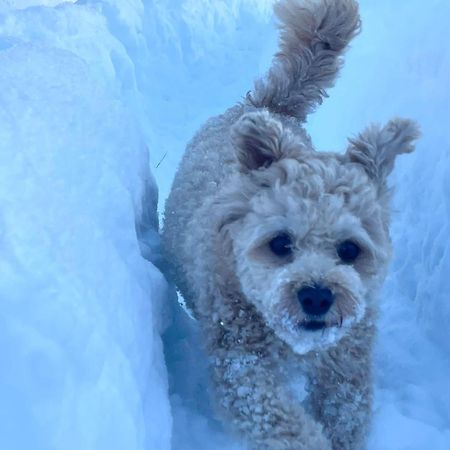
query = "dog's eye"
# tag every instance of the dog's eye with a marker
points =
(281, 245)
(348, 251)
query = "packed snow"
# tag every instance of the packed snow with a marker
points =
(97, 101)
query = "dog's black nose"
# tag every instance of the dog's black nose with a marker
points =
(315, 301)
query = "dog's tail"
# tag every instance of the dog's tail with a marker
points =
(313, 37)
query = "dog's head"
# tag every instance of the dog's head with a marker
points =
(308, 231)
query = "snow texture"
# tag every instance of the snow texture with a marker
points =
(85, 88)
(81, 308)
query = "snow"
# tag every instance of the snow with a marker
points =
(81, 309)
(86, 88)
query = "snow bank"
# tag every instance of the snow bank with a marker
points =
(81, 309)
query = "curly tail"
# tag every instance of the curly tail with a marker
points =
(313, 36)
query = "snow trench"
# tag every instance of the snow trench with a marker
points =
(97, 101)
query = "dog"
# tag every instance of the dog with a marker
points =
(280, 250)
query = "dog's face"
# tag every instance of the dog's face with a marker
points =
(308, 231)
(310, 251)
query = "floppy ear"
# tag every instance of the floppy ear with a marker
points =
(377, 147)
(260, 140)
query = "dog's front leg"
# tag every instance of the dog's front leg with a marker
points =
(251, 394)
(340, 389)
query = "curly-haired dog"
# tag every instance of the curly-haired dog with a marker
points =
(279, 250)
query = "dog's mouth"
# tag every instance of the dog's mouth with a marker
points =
(313, 325)
(316, 325)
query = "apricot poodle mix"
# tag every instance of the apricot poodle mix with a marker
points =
(280, 250)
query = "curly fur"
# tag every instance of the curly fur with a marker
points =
(313, 36)
(250, 174)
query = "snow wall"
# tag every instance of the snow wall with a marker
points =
(82, 361)
(86, 88)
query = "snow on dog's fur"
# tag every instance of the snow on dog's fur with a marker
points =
(279, 250)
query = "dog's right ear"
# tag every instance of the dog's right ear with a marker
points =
(259, 140)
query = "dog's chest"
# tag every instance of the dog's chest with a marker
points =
(295, 382)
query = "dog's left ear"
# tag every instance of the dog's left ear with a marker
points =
(260, 140)
(377, 147)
